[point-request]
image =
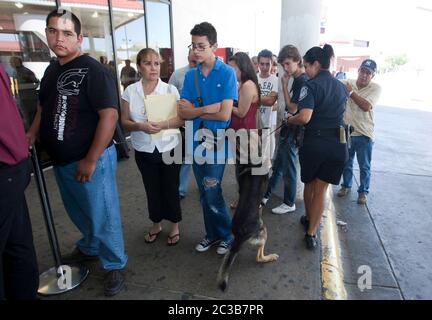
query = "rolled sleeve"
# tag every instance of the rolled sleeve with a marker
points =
(126, 94)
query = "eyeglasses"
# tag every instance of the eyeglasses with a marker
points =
(198, 47)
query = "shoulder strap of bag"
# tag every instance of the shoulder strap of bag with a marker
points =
(197, 88)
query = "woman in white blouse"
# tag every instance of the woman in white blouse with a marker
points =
(161, 181)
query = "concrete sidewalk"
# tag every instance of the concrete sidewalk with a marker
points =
(157, 271)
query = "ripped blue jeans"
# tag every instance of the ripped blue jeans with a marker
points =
(216, 218)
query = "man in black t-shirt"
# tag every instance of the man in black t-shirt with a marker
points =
(76, 120)
(284, 164)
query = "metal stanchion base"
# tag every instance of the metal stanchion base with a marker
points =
(51, 284)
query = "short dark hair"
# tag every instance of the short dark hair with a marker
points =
(68, 15)
(322, 55)
(205, 29)
(290, 52)
(265, 54)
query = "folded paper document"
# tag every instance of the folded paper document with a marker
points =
(162, 108)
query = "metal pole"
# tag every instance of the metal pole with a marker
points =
(145, 23)
(119, 136)
(49, 222)
(61, 278)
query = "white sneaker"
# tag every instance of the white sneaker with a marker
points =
(223, 247)
(264, 201)
(284, 208)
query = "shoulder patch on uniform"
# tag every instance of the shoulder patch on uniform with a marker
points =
(303, 93)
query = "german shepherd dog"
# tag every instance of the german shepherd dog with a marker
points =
(247, 223)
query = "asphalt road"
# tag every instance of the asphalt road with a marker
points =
(399, 205)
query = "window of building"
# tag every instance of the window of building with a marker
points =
(130, 38)
(159, 34)
(23, 50)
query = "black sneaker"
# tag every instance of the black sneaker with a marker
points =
(206, 244)
(114, 282)
(305, 222)
(76, 256)
(311, 241)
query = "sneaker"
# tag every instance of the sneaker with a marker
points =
(311, 241)
(77, 256)
(205, 244)
(343, 192)
(284, 208)
(264, 201)
(361, 198)
(114, 282)
(305, 222)
(223, 247)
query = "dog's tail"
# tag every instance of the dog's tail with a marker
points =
(225, 268)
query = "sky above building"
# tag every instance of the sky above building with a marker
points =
(391, 26)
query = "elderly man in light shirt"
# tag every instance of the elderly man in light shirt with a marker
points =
(359, 113)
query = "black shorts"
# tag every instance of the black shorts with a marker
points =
(323, 158)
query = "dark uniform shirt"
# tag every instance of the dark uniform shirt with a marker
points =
(327, 97)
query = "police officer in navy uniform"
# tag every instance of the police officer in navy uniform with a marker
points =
(324, 150)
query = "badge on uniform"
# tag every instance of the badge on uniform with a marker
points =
(303, 93)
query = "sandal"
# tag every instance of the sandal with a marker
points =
(151, 235)
(171, 238)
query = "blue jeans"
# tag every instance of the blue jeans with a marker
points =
(217, 221)
(94, 208)
(284, 166)
(184, 179)
(362, 146)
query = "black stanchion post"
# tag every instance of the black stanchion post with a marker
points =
(43, 196)
(61, 278)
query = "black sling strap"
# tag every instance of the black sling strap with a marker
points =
(197, 88)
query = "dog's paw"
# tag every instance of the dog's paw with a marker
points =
(269, 258)
(273, 257)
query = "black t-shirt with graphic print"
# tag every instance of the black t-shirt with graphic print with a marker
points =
(70, 97)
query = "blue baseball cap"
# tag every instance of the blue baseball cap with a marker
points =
(370, 65)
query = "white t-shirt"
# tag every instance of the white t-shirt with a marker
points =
(268, 85)
(141, 141)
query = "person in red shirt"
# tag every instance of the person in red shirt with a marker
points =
(19, 275)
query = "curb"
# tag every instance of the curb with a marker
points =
(333, 287)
